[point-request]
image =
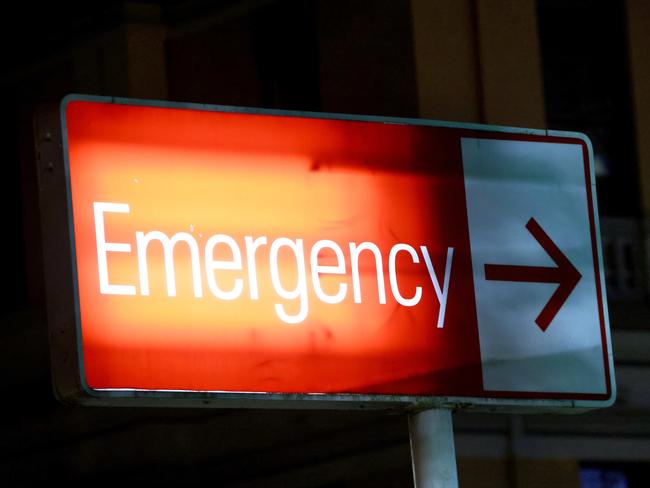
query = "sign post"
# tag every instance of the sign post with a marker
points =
(228, 257)
(432, 449)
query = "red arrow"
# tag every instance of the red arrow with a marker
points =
(564, 274)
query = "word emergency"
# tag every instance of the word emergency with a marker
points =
(206, 261)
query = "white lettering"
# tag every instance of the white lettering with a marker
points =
(142, 242)
(330, 269)
(355, 250)
(103, 247)
(318, 269)
(251, 247)
(392, 275)
(441, 293)
(234, 264)
(300, 291)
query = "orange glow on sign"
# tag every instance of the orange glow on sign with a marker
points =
(236, 252)
(223, 251)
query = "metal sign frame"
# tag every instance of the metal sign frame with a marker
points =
(63, 303)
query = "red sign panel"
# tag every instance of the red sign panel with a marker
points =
(223, 251)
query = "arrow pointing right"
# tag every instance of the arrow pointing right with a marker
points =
(564, 274)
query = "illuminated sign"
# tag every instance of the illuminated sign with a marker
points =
(222, 253)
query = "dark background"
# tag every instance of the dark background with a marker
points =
(347, 56)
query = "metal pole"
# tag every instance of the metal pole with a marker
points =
(432, 449)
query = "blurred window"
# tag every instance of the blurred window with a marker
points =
(594, 477)
(587, 89)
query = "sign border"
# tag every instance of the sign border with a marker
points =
(502, 401)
